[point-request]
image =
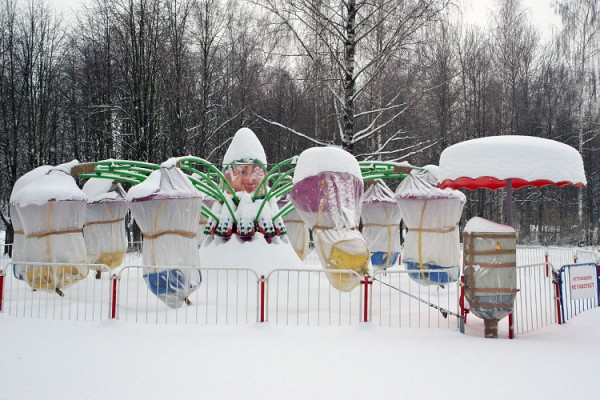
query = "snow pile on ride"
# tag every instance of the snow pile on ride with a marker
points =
(488, 162)
(246, 216)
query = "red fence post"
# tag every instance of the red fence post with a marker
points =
(546, 256)
(1, 288)
(262, 298)
(366, 282)
(461, 300)
(113, 311)
(557, 295)
(511, 332)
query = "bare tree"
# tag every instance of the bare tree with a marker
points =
(580, 45)
(347, 31)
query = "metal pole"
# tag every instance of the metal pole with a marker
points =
(113, 311)
(558, 299)
(511, 332)
(1, 288)
(366, 282)
(509, 191)
(262, 298)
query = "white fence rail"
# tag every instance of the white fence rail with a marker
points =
(399, 301)
(285, 296)
(305, 297)
(535, 302)
(87, 300)
(225, 296)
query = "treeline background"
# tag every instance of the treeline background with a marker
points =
(386, 80)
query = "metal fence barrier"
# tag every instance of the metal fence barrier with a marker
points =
(44, 290)
(290, 296)
(306, 297)
(574, 278)
(397, 300)
(535, 305)
(224, 296)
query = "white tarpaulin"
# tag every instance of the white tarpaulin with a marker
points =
(19, 234)
(381, 219)
(51, 209)
(167, 209)
(327, 191)
(104, 230)
(431, 216)
(297, 232)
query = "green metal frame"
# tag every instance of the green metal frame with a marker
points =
(211, 181)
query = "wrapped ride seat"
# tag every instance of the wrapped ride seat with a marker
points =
(490, 271)
(52, 211)
(431, 216)
(297, 232)
(104, 229)
(18, 247)
(167, 209)
(326, 193)
(381, 225)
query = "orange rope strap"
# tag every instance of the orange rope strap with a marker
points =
(185, 234)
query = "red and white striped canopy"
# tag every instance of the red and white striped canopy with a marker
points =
(529, 161)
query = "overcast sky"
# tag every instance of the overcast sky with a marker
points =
(540, 12)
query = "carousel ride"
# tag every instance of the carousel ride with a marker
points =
(194, 213)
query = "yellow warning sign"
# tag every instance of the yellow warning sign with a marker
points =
(498, 246)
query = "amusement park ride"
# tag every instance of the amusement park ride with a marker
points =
(188, 201)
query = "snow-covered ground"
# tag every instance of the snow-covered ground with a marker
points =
(45, 359)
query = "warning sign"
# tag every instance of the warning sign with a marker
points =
(582, 282)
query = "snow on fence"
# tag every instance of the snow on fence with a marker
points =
(295, 296)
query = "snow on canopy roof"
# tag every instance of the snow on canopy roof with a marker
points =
(378, 192)
(164, 183)
(100, 189)
(420, 185)
(325, 159)
(28, 178)
(56, 185)
(245, 146)
(434, 170)
(528, 161)
(478, 224)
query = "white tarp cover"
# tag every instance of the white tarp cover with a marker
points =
(489, 270)
(51, 209)
(487, 162)
(297, 232)
(431, 216)
(167, 209)
(104, 230)
(381, 219)
(19, 237)
(326, 193)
